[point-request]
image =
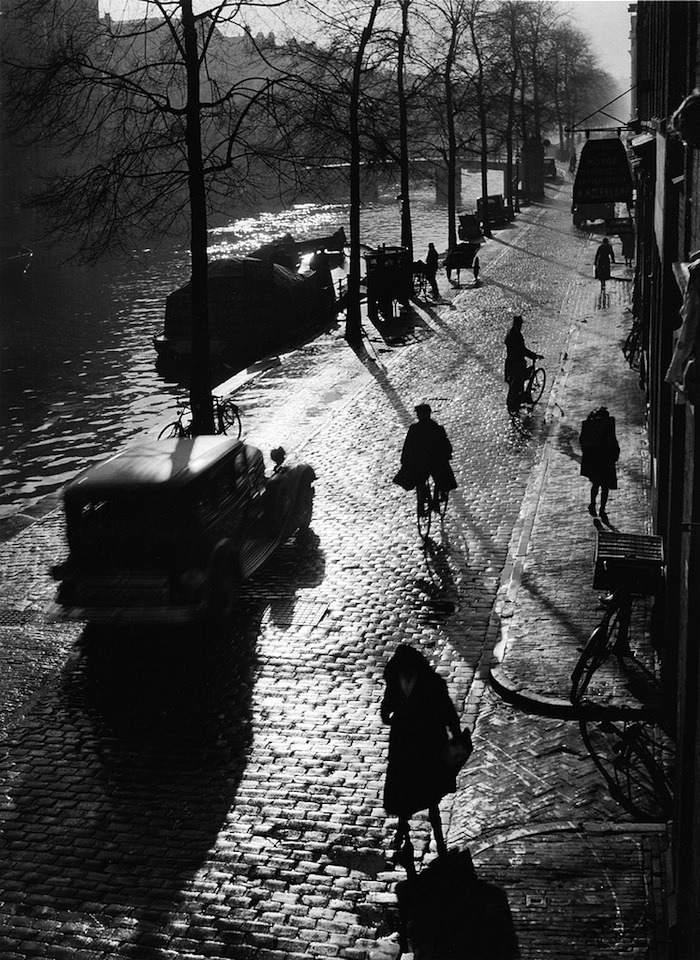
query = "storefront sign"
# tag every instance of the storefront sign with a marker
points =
(603, 174)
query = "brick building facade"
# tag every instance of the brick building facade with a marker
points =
(666, 159)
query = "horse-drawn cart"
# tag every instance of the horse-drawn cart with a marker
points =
(389, 281)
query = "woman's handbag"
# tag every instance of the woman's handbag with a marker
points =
(456, 752)
(404, 479)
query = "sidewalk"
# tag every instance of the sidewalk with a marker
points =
(555, 869)
(547, 607)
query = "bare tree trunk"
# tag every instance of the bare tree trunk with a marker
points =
(451, 144)
(483, 129)
(200, 375)
(353, 321)
(406, 226)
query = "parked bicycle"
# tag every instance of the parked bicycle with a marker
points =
(610, 638)
(530, 394)
(430, 500)
(632, 347)
(227, 420)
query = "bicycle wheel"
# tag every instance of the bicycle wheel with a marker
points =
(592, 657)
(539, 378)
(423, 509)
(173, 430)
(636, 760)
(610, 636)
(632, 345)
(230, 418)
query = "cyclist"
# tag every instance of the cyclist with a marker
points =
(517, 371)
(427, 452)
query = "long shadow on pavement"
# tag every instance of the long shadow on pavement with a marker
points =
(446, 911)
(123, 772)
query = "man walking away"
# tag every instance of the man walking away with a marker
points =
(431, 263)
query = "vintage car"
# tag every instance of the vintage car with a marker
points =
(500, 212)
(550, 169)
(469, 228)
(165, 531)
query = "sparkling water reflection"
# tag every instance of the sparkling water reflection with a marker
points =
(78, 376)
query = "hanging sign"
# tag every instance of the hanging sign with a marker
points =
(603, 174)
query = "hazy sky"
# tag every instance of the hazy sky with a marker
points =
(607, 22)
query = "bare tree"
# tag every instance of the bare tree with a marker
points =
(153, 124)
(444, 100)
(406, 229)
(353, 329)
(475, 17)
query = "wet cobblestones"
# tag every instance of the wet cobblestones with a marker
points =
(189, 795)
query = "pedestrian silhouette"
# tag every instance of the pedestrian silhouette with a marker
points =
(431, 264)
(476, 269)
(604, 256)
(418, 709)
(600, 452)
(627, 239)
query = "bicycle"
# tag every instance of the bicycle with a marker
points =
(636, 758)
(632, 347)
(429, 500)
(532, 391)
(610, 637)
(226, 416)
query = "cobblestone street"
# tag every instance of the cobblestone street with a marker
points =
(184, 795)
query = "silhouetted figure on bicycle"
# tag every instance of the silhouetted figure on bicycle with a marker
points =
(517, 372)
(600, 452)
(427, 452)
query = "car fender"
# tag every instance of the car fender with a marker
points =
(222, 578)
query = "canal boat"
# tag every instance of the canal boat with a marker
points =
(257, 304)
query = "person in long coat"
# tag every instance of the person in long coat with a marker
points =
(431, 268)
(604, 256)
(628, 246)
(418, 708)
(427, 452)
(600, 452)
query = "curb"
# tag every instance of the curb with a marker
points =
(558, 708)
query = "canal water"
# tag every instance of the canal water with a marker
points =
(77, 364)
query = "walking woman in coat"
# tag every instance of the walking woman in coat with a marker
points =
(419, 711)
(600, 452)
(604, 256)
